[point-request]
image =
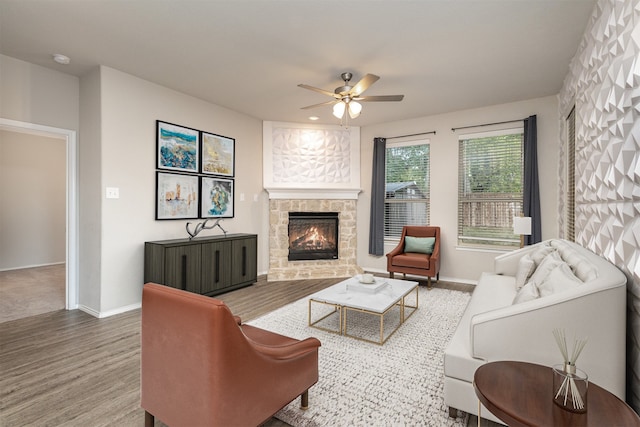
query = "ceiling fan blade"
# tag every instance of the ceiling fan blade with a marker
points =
(377, 98)
(320, 105)
(363, 84)
(315, 89)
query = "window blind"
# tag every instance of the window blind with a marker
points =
(571, 177)
(490, 184)
(407, 186)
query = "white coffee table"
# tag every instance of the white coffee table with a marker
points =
(375, 299)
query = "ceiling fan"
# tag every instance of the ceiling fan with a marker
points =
(346, 97)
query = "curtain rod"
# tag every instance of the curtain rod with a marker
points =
(486, 124)
(413, 134)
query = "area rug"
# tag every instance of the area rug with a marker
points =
(362, 384)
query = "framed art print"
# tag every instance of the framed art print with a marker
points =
(218, 155)
(178, 147)
(177, 196)
(216, 198)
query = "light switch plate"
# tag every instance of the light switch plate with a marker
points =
(113, 193)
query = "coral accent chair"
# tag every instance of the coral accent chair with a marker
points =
(201, 367)
(419, 264)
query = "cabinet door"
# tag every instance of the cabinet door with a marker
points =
(216, 266)
(245, 258)
(182, 267)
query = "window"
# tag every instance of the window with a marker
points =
(571, 177)
(406, 199)
(490, 188)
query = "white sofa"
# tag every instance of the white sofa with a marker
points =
(504, 323)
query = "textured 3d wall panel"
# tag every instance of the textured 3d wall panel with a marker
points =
(311, 156)
(604, 85)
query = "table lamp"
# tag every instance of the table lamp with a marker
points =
(522, 226)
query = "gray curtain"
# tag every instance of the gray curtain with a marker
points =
(376, 223)
(531, 187)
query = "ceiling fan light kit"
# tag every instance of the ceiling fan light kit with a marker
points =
(346, 96)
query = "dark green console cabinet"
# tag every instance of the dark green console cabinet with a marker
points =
(208, 265)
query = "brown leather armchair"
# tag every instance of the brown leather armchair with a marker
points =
(420, 264)
(199, 366)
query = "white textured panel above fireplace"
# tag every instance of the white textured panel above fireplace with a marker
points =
(311, 161)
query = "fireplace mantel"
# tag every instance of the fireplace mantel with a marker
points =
(313, 193)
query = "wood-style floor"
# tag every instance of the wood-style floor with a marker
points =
(67, 368)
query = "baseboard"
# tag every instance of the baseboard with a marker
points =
(103, 314)
(32, 266)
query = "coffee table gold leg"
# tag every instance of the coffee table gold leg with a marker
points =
(479, 409)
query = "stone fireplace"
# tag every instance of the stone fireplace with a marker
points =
(281, 268)
(311, 170)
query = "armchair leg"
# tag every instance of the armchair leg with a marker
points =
(391, 274)
(148, 419)
(429, 282)
(304, 400)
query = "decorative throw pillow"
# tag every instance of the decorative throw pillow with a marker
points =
(561, 278)
(539, 254)
(528, 292)
(549, 262)
(585, 271)
(423, 245)
(526, 267)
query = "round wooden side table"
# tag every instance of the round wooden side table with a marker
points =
(520, 394)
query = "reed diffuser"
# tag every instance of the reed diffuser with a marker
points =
(569, 383)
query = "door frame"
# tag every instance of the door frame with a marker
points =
(70, 136)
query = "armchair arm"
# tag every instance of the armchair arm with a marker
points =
(397, 250)
(287, 351)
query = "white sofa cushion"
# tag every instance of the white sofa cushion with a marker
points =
(559, 279)
(551, 261)
(526, 267)
(528, 292)
(492, 292)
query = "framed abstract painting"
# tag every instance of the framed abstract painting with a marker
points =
(178, 147)
(218, 155)
(177, 196)
(216, 198)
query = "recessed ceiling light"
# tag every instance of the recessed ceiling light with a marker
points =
(314, 118)
(61, 59)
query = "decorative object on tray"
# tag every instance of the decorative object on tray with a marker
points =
(367, 278)
(569, 383)
(203, 226)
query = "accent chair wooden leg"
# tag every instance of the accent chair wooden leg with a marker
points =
(304, 400)
(429, 282)
(148, 419)
(453, 412)
(391, 274)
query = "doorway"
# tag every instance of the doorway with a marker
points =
(71, 214)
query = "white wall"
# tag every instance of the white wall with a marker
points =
(458, 264)
(34, 94)
(128, 110)
(33, 194)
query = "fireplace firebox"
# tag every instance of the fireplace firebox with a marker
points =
(313, 235)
